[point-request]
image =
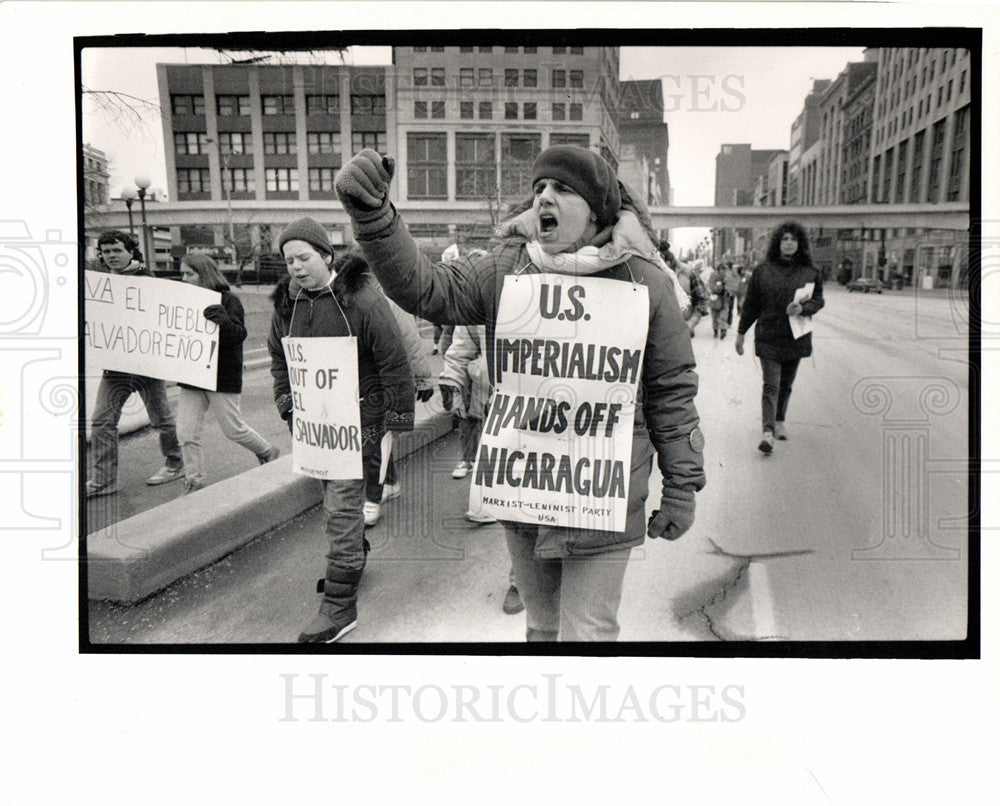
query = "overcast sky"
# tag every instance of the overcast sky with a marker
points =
(713, 95)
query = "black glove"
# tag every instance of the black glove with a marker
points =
(675, 515)
(447, 395)
(216, 313)
(423, 395)
(363, 188)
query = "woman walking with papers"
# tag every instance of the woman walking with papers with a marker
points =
(783, 294)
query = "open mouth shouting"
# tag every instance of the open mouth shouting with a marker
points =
(548, 224)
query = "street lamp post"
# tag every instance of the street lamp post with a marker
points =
(128, 195)
(224, 164)
(142, 182)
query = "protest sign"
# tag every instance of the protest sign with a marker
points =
(557, 440)
(326, 423)
(150, 326)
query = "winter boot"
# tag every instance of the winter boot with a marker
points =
(338, 612)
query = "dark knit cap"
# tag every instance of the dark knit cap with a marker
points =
(587, 173)
(308, 230)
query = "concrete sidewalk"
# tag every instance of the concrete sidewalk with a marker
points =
(136, 557)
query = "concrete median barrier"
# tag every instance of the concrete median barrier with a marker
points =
(134, 558)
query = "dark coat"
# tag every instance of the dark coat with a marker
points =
(771, 288)
(386, 380)
(232, 334)
(464, 292)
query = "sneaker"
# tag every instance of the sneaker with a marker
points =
(373, 512)
(479, 517)
(512, 604)
(165, 474)
(779, 431)
(192, 486)
(390, 491)
(272, 453)
(325, 630)
(766, 443)
(461, 470)
(94, 489)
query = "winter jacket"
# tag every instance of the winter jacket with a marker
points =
(467, 292)
(415, 350)
(232, 334)
(771, 288)
(384, 374)
(465, 368)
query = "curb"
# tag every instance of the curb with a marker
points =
(134, 558)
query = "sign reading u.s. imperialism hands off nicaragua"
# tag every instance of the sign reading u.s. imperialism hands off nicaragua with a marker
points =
(557, 440)
(326, 424)
(150, 326)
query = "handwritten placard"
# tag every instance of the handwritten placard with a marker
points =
(150, 326)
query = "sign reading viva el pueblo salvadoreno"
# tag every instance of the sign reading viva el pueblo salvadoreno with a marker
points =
(557, 440)
(150, 326)
(326, 421)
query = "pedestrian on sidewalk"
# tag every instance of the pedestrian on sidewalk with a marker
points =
(720, 300)
(570, 579)
(322, 298)
(118, 253)
(224, 400)
(776, 292)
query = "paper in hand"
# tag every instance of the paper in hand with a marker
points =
(801, 325)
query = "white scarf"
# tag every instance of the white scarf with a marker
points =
(593, 259)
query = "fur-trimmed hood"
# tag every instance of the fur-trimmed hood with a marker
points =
(353, 275)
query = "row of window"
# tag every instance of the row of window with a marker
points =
(469, 49)
(239, 105)
(923, 107)
(435, 110)
(276, 142)
(241, 180)
(483, 77)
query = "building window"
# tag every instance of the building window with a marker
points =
(322, 104)
(236, 142)
(486, 110)
(419, 76)
(187, 104)
(559, 111)
(437, 109)
(467, 77)
(232, 105)
(901, 171)
(466, 110)
(959, 144)
(557, 51)
(367, 104)
(950, 82)
(558, 78)
(576, 111)
(437, 76)
(510, 50)
(278, 104)
(576, 78)
(918, 165)
(190, 143)
(937, 155)
(530, 110)
(531, 78)
(374, 140)
(517, 153)
(486, 50)
(420, 109)
(567, 139)
(510, 111)
(324, 142)
(282, 179)
(427, 166)
(321, 179)
(510, 78)
(531, 50)
(485, 76)
(438, 49)
(465, 49)
(420, 49)
(887, 175)
(577, 51)
(279, 143)
(239, 180)
(475, 166)
(961, 82)
(192, 180)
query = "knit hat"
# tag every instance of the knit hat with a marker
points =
(587, 173)
(308, 230)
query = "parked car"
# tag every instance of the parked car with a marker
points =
(865, 284)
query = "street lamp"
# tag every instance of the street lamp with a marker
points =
(129, 196)
(142, 182)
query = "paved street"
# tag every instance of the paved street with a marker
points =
(853, 530)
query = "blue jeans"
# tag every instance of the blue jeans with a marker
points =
(567, 599)
(112, 393)
(778, 379)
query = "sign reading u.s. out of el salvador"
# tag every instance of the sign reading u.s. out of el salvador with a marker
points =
(326, 422)
(557, 440)
(150, 326)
